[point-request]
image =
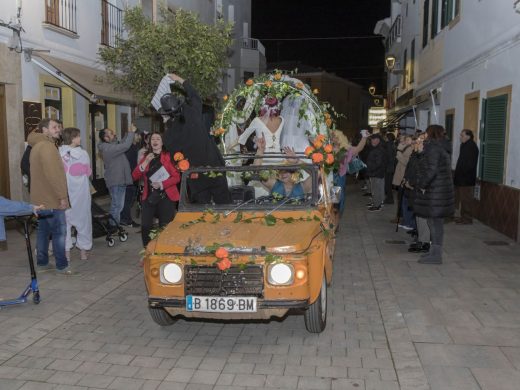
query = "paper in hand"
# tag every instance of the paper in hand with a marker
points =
(160, 176)
(163, 88)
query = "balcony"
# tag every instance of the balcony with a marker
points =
(253, 44)
(394, 36)
(60, 15)
(111, 24)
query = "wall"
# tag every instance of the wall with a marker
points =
(10, 75)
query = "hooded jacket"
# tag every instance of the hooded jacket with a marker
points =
(48, 181)
(434, 190)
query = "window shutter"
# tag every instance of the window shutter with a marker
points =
(435, 18)
(494, 139)
(426, 11)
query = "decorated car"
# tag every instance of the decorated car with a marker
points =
(269, 248)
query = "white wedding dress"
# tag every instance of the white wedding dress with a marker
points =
(272, 140)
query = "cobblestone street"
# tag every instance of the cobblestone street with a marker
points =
(392, 323)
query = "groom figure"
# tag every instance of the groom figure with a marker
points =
(185, 133)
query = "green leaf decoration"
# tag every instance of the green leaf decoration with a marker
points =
(288, 220)
(270, 220)
(238, 218)
(316, 218)
(270, 258)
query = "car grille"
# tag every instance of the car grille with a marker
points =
(236, 281)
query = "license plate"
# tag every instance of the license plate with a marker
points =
(221, 304)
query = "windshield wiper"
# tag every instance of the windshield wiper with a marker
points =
(286, 200)
(238, 206)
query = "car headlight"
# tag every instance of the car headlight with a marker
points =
(171, 273)
(280, 274)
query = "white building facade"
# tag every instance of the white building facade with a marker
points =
(456, 64)
(52, 69)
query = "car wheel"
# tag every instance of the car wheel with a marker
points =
(161, 316)
(316, 314)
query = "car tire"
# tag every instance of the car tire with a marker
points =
(161, 316)
(316, 313)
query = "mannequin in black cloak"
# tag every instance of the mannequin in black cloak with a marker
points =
(185, 133)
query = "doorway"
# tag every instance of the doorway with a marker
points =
(471, 109)
(4, 158)
(98, 121)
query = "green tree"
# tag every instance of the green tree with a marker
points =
(179, 42)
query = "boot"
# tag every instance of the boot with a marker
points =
(433, 257)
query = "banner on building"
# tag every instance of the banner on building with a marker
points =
(376, 115)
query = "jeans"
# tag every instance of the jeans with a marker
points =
(436, 226)
(408, 219)
(126, 213)
(117, 195)
(53, 225)
(377, 185)
(341, 181)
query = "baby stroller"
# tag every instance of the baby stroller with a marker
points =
(101, 226)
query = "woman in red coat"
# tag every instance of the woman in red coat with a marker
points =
(160, 193)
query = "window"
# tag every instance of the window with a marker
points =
(405, 68)
(411, 77)
(450, 9)
(426, 11)
(52, 102)
(435, 19)
(61, 13)
(112, 23)
(492, 141)
(449, 120)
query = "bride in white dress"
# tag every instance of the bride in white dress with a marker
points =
(269, 125)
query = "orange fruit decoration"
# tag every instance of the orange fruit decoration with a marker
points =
(317, 143)
(308, 150)
(178, 156)
(221, 252)
(224, 264)
(315, 91)
(249, 82)
(328, 148)
(317, 158)
(183, 165)
(328, 122)
(330, 159)
(225, 97)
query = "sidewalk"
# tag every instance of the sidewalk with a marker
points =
(455, 324)
(392, 323)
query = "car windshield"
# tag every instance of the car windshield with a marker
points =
(251, 187)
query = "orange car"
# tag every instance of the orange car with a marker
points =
(256, 257)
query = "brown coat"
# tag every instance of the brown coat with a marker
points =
(48, 181)
(403, 155)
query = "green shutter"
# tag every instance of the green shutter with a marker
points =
(435, 18)
(426, 11)
(494, 139)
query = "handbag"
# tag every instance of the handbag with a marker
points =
(155, 197)
(355, 165)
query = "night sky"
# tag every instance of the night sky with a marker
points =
(359, 60)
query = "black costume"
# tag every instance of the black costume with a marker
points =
(185, 133)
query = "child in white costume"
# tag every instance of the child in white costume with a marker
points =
(77, 169)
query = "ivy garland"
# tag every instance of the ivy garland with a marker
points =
(278, 84)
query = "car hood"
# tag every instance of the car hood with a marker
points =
(283, 232)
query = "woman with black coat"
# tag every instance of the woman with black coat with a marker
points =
(435, 199)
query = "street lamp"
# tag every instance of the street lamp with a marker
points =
(390, 62)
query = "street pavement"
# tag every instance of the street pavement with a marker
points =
(392, 323)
